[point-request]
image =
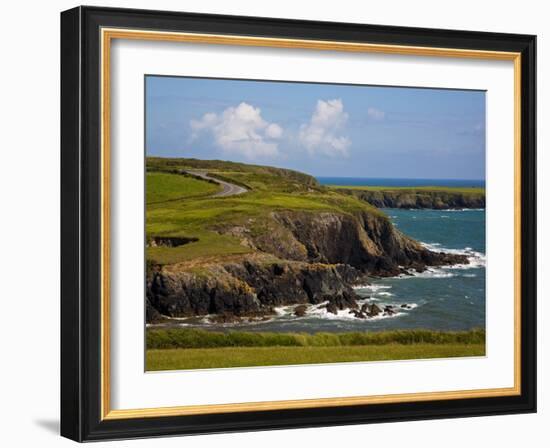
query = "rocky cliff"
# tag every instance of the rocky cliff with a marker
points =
(248, 287)
(367, 241)
(413, 199)
(299, 258)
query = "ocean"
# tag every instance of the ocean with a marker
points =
(446, 298)
(387, 182)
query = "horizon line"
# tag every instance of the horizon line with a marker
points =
(402, 178)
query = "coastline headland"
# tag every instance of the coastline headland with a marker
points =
(437, 198)
(283, 240)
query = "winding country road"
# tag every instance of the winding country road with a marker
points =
(228, 189)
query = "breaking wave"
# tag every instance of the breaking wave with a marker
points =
(319, 311)
(476, 259)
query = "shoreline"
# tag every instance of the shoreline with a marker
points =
(417, 198)
(396, 307)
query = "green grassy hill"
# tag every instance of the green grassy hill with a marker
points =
(179, 205)
(163, 187)
(251, 176)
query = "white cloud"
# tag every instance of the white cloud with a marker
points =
(323, 132)
(375, 113)
(241, 130)
(274, 131)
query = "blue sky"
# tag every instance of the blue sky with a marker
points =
(322, 129)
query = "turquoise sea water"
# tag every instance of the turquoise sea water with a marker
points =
(447, 298)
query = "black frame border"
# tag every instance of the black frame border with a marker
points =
(81, 223)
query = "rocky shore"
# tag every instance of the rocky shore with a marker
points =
(417, 199)
(300, 258)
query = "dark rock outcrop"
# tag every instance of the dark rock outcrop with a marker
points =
(151, 313)
(249, 288)
(373, 310)
(300, 310)
(166, 241)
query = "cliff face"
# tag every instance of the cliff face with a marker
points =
(302, 257)
(368, 242)
(249, 287)
(419, 199)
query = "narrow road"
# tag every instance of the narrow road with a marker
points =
(228, 189)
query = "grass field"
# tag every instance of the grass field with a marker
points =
(176, 349)
(182, 359)
(162, 187)
(162, 338)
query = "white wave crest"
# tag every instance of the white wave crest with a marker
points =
(476, 259)
(428, 273)
(319, 311)
(372, 288)
(455, 210)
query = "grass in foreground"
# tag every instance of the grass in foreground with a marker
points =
(196, 358)
(159, 338)
(180, 348)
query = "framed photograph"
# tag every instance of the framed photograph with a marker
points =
(273, 223)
